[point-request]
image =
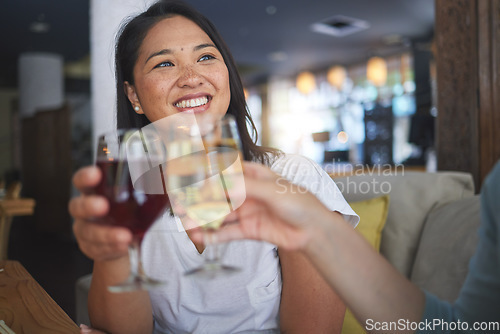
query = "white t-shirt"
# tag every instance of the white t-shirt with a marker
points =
(245, 302)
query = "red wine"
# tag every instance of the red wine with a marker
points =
(132, 205)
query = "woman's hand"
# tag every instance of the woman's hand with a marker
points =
(98, 242)
(108, 247)
(274, 210)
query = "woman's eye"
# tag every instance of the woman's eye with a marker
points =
(206, 57)
(164, 64)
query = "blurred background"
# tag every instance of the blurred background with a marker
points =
(347, 83)
(305, 66)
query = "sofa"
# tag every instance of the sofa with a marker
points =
(425, 224)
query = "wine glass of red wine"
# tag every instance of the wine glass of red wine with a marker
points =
(132, 163)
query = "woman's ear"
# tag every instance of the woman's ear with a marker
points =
(132, 97)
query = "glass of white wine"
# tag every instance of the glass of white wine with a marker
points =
(205, 178)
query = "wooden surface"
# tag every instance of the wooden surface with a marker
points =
(8, 209)
(25, 306)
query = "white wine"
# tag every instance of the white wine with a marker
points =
(209, 215)
(204, 201)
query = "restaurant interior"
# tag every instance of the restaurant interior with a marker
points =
(347, 83)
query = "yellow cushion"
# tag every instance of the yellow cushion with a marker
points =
(372, 214)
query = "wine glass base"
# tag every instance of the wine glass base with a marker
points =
(136, 284)
(212, 270)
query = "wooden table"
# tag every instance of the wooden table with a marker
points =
(8, 209)
(25, 306)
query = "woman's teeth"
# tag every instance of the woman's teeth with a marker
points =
(192, 103)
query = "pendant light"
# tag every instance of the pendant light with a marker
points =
(376, 71)
(306, 82)
(336, 76)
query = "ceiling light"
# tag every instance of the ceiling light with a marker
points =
(306, 82)
(376, 71)
(339, 26)
(336, 76)
(342, 137)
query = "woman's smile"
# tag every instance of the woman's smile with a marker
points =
(194, 103)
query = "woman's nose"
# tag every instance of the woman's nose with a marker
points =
(189, 77)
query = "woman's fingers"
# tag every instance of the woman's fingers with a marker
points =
(86, 207)
(97, 241)
(87, 178)
(102, 242)
(102, 234)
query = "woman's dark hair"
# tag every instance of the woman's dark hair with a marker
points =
(127, 47)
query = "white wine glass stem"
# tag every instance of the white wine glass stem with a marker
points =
(212, 247)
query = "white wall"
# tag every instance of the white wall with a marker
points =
(106, 17)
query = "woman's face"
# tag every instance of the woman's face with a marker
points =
(179, 69)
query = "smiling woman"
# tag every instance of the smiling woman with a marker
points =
(175, 55)
(148, 45)
(170, 60)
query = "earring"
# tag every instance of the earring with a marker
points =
(137, 108)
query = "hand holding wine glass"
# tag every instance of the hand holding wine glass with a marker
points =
(133, 182)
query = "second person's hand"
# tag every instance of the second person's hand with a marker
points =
(275, 210)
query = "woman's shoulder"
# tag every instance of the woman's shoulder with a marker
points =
(287, 159)
(293, 164)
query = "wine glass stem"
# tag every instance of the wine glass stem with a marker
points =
(210, 241)
(134, 251)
